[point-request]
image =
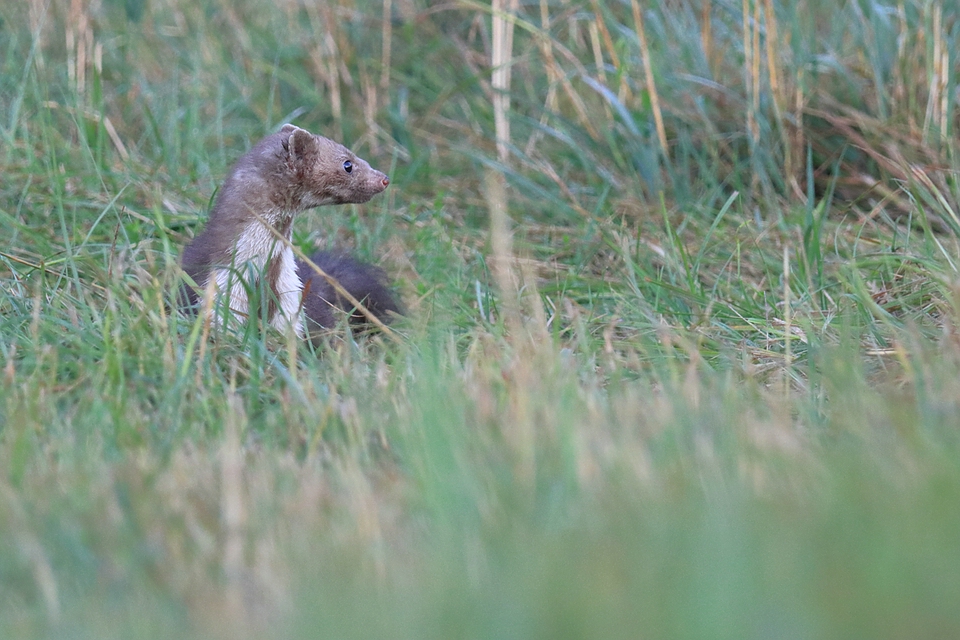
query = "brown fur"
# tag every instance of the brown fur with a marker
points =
(366, 283)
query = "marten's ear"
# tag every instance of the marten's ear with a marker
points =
(296, 141)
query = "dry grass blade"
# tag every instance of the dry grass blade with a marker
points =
(777, 88)
(648, 74)
(387, 51)
(623, 93)
(501, 246)
(495, 183)
(502, 63)
(233, 509)
(553, 75)
(751, 73)
(706, 33)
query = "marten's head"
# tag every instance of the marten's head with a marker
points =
(321, 171)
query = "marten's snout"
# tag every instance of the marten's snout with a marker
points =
(380, 180)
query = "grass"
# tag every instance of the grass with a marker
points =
(681, 357)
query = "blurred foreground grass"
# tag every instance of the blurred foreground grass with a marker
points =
(713, 394)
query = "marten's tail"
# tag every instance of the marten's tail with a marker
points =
(365, 282)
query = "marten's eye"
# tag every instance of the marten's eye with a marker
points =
(347, 166)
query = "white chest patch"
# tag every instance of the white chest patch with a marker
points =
(256, 248)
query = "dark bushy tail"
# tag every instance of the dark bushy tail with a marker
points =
(365, 282)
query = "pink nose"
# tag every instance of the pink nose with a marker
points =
(385, 181)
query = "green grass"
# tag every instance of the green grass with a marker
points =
(725, 402)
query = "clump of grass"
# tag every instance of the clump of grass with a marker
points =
(681, 356)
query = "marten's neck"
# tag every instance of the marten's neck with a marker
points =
(258, 249)
(284, 174)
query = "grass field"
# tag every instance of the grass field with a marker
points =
(682, 356)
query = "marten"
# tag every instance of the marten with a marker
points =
(285, 173)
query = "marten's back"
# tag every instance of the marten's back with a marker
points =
(325, 307)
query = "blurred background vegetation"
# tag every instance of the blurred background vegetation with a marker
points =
(681, 357)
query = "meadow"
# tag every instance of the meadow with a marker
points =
(681, 355)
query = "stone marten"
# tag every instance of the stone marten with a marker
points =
(284, 174)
